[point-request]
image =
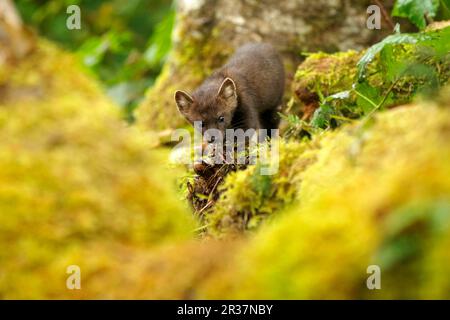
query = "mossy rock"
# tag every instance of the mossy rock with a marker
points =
(76, 180)
(345, 200)
(322, 75)
(378, 195)
(248, 198)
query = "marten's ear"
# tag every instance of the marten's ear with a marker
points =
(183, 100)
(227, 89)
(228, 93)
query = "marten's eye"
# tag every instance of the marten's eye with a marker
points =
(221, 119)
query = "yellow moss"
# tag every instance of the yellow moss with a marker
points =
(329, 73)
(371, 197)
(79, 187)
(75, 179)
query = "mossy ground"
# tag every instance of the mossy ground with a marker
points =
(366, 200)
(80, 187)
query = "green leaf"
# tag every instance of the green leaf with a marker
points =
(390, 66)
(416, 10)
(390, 40)
(444, 10)
(427, 73)
(440, 42)
(368, 97)
(322, 116)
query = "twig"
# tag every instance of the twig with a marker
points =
(378, 106)
(201, 228)
(385, 15)
(208, 204)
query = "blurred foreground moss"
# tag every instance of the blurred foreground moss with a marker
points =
(75, 180)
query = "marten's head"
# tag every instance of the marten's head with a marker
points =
(213, 106)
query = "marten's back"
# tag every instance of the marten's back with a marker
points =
(258, 72)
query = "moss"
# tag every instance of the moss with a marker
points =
(327, 73)
(248, 197)
(81, 188)
(76, 181)
(365, 201)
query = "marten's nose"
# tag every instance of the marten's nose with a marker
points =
(211, 139)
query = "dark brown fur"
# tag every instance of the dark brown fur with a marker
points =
(245, 93)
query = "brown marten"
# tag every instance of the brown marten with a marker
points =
(244, 94)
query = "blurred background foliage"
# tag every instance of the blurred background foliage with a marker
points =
(123, 43)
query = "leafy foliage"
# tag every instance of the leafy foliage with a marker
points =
(392, 71)
(370, 54)
(416, 10)
(123, 43)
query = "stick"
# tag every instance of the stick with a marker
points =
(386, 16)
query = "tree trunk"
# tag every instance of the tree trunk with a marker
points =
(15, 40)
(208, 31)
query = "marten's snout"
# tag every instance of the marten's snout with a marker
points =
(212, 135)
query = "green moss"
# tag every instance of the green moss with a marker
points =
(326, 74)
(249, 198)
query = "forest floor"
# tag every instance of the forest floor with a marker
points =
(363, 179)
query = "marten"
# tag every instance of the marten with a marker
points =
(245, 93)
